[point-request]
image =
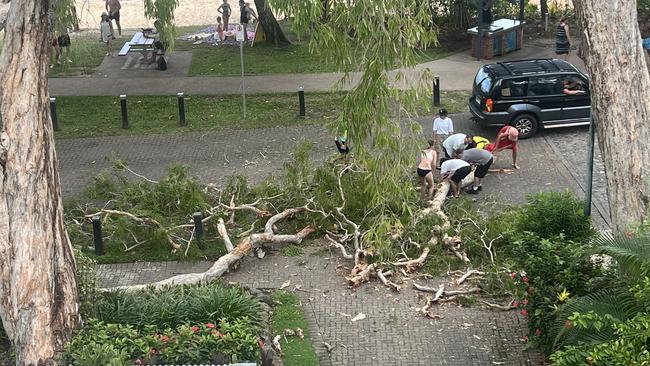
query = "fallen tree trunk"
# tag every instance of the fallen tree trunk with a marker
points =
(223, 264)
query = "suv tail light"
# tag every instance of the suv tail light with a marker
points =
(488, 105)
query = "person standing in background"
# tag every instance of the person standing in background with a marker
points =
(113, 8)
(225, 11)
(443, 127)
(563, 39)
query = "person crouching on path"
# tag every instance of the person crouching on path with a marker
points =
(454, 143)
(482, 159)
(106, 30)
(428, 159)
(341, 142)
(456, 170)
(506, 139)
(443, 126)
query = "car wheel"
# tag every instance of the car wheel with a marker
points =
(526, 124)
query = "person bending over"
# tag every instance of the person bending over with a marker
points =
(454, 143)
(455, 170)
(506, 139)
(482, 159)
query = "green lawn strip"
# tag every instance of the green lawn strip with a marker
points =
(288, 314)
(86, 53)
(101, 116)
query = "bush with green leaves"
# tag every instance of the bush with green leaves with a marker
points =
(99, 344)
(550, 214)
(554, 270)
(208, 303)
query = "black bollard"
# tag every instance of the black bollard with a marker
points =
(97, 235)
(198, 229)
(54, 116)
(301, 100)
(436, 91)
(181, 109)
(125, 113)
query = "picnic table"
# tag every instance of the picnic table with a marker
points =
(140, 43)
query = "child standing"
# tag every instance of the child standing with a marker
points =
(106, 30)
(220, 29)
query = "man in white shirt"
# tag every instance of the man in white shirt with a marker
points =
(456, 170)
(443, 126)
(454, 143)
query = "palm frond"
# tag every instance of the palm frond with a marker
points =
(620, 304)
(631, 254)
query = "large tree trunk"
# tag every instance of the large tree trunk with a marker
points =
(620, 84)
(38, 293)
(270, 25)
(543, 7)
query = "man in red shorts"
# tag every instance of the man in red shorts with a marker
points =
(506, 139)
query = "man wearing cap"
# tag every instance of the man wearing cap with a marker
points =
(506, 139)
(443, 126)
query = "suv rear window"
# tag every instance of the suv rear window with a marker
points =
(483, 81)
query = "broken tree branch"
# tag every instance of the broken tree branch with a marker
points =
(221, 228)
(468, 274)
(382, 277)
(415, 263)
(510, 305)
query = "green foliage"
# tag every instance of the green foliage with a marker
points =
(210, 303)
(86, 282)
(632, 254)
(100, 344)
(163, 13)
(555, 269)
(550, 214)
(291, 251)
(288, 314)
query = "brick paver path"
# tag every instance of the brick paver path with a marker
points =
(392, 333)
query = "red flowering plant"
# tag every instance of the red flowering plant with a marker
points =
(553, 271)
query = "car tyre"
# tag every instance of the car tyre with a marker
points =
(526, 124)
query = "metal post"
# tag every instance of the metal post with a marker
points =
(54, 116)
(198, 229)
(125, 113)
(243, 87)
(97, 235)
(436, 91)
(522, 15)
(181, 109)
(546, 22)
(590, 166)
(301, 100)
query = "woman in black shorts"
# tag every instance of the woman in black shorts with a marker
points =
(428, 157)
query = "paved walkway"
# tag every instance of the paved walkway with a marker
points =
(114, 77)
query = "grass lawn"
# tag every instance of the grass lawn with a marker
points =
(101, 116)
(86, 53)
(288, 314)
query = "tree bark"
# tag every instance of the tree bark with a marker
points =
(620, 99)
(270, 25)
(38, 293)
(543, 7)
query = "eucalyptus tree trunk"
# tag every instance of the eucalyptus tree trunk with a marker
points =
(543, 7)
(272, 29)
(38, 293)
(620, 98)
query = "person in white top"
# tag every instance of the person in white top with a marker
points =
(428, 158)
(456, 170)
(443, 126)
(455, 143)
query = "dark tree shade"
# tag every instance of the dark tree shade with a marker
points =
(270, 25)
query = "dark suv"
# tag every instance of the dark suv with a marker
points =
(530, 94)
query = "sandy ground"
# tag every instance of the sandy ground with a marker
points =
(189, 12)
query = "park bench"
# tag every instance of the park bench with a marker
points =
(142, 44)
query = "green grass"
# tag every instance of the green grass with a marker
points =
(288, 314)
(291, 251)
(267, 59)
(86, 53)
(101, 116)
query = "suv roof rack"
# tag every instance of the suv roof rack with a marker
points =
(511, 66)
(508, 69)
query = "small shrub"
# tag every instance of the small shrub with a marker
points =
(86, 282)
(550, 214)
(210, 303)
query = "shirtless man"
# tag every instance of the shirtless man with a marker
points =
(428, 158)
(113, 8)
